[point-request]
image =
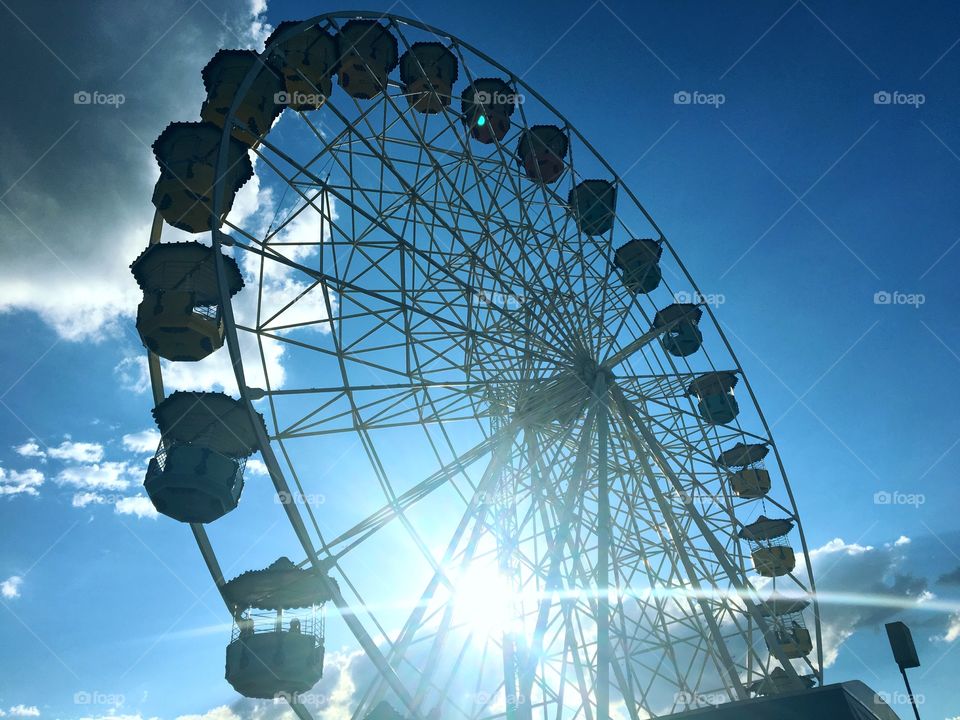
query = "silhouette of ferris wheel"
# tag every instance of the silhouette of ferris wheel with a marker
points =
(542, 497)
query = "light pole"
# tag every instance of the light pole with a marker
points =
(905, 653)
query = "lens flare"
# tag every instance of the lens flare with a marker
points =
(483, 600)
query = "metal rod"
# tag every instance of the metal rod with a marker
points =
(913, 703)
(603, 558)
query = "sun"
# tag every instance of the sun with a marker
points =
(484, 600)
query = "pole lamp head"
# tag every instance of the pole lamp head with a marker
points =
(901, 642)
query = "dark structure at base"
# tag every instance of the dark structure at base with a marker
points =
(842, 701)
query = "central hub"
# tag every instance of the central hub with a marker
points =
(588, 370)
(563, 397)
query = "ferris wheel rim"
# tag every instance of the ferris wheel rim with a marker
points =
(231, 329)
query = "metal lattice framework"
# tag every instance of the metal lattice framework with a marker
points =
(502, 412)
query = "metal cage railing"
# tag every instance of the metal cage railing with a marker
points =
(307, 621)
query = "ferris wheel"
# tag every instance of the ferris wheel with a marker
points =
(542, 497)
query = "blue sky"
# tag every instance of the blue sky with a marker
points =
(795, 197)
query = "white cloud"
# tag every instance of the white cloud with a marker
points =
(953, 629)
(99, 476)
(10, 588)
(133, 374)
(256, 466)
(341, 694)
(834, 636)
(851, 569)
(218, 713)
(253, 209)
(20, 482)
(215, 371)
(344, 673)
(246, 709)
(145, 441)
(902, 540)
(95, 481)
(95, 296)
(30, 449)
(259, 30)
(93, 312)
(78, 452)
(25, 711)
(81, 500)
(138, 505)
(837, 545)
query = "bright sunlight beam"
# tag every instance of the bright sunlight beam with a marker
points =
(484, 599)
